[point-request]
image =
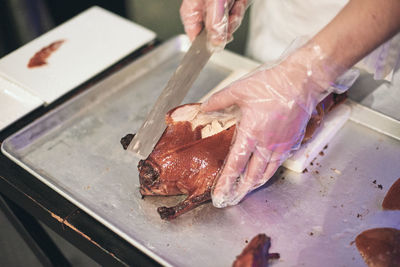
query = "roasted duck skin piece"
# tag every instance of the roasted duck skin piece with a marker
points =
(256, 253)
(40, 58)
(379, 247)
(191, 152)
(392, 198)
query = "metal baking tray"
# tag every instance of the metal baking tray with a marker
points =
(311, 217)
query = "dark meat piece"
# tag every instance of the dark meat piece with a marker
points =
(256, 254)
(380, 247)
(392, 198)
(190, 153)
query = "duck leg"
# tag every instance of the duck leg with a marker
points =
(191, 202)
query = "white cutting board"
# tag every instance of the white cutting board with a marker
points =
(15, 102)
(94, 40)
(308, 151)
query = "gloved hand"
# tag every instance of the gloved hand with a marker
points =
(276, 104)
(221, 18)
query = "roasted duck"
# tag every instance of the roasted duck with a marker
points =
(191, 151)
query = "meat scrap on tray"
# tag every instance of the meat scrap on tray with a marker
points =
(256, 253)
(190, 153)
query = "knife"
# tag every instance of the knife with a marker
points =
(172, 95)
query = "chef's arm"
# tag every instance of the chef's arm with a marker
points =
(359, 28)
(277, 101)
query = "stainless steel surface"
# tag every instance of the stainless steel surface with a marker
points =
(375, 120)
(311, 217)
(172, 95)
(378, 95)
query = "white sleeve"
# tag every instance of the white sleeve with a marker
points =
(384, 60)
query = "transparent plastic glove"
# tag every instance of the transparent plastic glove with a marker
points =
(220, 17)
(276, 104)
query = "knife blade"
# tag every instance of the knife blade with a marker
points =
(172, 95)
